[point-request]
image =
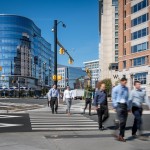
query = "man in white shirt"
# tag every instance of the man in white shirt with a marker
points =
(68, 96)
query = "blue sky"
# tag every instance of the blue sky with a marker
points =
(80, 37)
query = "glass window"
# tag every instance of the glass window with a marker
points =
(124, 51)
(116, 33)
(116, 21)
(139, 6)
(139, 61)
(124, 64)
(116, 27)
(139, 34)
(142, 77)
(116, 46)
(116, 40)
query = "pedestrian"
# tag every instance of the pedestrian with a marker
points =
(137, 98)
(100, 102)
(120, 95)
(54, 97)
(88, 100)
(68, 96)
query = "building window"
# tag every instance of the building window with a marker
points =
(140, 47)
(116, 21)
(125, 26)
(116, 58)
(139, 20)
(116, 46)
(125, 2)
(125, 14)
(116, 33)
(139, 6)
(116, 52)
(124, 39)
(139, 34)
(116, 27)
(116, 40)
(124, 51)
(141, 77)
(139, 61)
(124, 64)
(116, 15)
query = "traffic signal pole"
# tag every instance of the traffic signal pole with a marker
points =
(55, 51)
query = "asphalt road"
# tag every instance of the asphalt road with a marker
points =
(110, 122)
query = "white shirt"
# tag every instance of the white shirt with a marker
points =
(68, 94)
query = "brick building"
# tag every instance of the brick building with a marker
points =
(134, 42)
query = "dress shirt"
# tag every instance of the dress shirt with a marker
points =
(137, 97)
(120, 94)
(54, 93)
(68, 94)
(100, 98)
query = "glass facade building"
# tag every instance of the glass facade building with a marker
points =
(26, 57)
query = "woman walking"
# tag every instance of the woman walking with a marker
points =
(68, 96)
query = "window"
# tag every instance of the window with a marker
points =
(116, 58)
(116, 40)
(141, 77)
(116, 33)
(139, 34)
(116, 52)
(116, 27)
(139, 6)
(139, 61)
(140, 47)
(116, 46)
(124, 51)
(124, 64)
(125, 26)
(125, 14)
(116, 15)
(116, 21)
(124, 39)
(125, 2)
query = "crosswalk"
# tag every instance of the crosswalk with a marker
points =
(45, 121)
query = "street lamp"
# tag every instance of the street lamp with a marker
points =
(55, 46)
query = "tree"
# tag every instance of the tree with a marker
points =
(108, 84)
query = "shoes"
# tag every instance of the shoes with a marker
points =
(56, 112)
(101, 128)
(134, 135)
(121, 139)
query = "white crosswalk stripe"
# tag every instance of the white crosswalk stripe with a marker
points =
(45, 121)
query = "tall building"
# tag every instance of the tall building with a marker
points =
(26, 57)
(134, 41)
(69, 76)
(108, 47)
(93, 66)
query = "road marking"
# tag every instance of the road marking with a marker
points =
(3, 125)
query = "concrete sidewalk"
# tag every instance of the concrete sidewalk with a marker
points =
(69, 141)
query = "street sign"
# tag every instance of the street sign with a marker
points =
(0, 68)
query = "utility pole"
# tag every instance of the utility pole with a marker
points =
(55, 51)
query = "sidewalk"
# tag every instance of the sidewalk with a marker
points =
(68, 140)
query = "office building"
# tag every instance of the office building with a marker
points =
(134, 42)
(69, 76)
(108, 31)
(26, 57)
(93, 66)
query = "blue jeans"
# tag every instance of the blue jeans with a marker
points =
(68, 102)
(137, 125)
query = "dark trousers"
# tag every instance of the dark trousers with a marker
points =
(88, 101)
(103, 115)
(137, 125)
(122, 114)
(54, 104)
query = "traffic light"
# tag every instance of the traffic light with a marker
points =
(87, 70)
(54, 77)
(0, 68)
(70, 61)
(61, 51)
(59, 77)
